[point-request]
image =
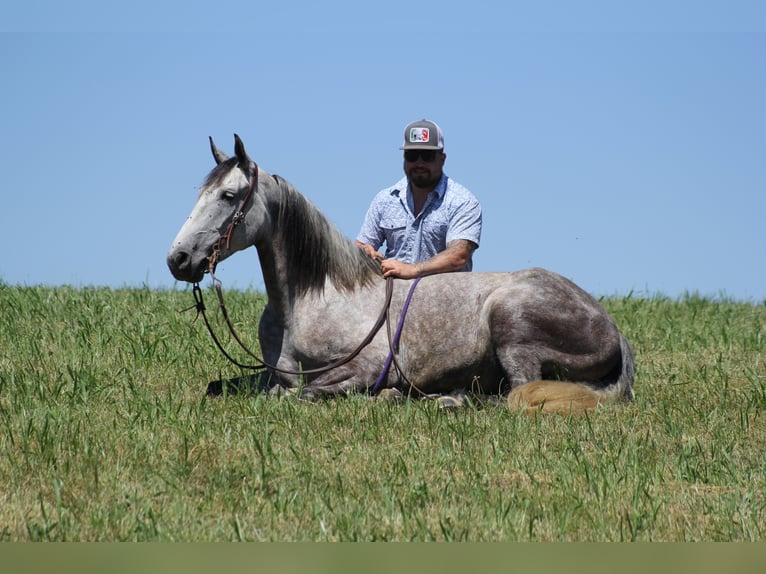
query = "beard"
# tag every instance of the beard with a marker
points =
(423, 178)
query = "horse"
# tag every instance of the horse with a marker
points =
(530, 335)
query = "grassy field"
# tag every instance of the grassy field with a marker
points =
(106, 435)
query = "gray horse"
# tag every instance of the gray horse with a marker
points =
(521, 334)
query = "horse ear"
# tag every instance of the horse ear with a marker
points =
(218, 155)
(239, 150)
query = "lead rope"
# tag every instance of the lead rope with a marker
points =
(200, 306)
(393, 343)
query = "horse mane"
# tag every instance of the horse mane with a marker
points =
(314, 248)
(217, 175)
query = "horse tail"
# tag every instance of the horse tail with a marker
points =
(571, 398)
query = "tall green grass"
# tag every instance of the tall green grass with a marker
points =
(106, 435)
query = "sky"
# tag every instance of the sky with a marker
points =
(621, 144)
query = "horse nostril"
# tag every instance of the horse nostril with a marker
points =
(178, 260)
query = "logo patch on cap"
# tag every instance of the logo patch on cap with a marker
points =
(420, 135)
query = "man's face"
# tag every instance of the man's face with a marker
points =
(424, 167)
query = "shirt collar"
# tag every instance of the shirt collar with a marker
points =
(440, 189)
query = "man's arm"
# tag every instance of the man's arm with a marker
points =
(454, 258)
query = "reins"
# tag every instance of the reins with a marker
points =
(383, 317)
(393, 342)
(200, 306)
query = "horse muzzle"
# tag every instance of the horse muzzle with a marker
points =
(184, 266)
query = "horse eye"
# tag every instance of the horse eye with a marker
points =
(228, 195)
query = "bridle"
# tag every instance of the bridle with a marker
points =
(383, 316)
(238, 217)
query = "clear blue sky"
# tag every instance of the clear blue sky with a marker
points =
(622, 144)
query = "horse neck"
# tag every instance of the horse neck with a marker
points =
(303, 252)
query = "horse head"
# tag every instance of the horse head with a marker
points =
(226, 218)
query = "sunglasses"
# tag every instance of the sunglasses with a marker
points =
(427, 155)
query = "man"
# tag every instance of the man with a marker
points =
(429, 222)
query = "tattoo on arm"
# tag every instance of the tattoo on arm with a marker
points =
(461, 245)
(460, 249)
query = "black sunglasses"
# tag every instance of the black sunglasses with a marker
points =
(427, 155)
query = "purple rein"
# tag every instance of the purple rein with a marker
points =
(395, 341)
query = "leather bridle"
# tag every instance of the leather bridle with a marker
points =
(238, 217)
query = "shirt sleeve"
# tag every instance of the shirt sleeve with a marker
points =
(371, 232)
(465, 221)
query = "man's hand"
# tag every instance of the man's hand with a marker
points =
(369, 250)
(394, 268)
(453, 258)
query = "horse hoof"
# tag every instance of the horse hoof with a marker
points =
(392, 395)
(280, 392)
(451, 402)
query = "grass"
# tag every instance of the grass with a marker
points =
(106, 435)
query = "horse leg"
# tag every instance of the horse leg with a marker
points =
(343, 380)
(255, 383)
(521, 364)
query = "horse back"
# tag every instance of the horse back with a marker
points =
(528, 324)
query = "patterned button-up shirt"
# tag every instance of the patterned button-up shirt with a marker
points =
(450, 212)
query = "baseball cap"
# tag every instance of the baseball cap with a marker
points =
(424, 134)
